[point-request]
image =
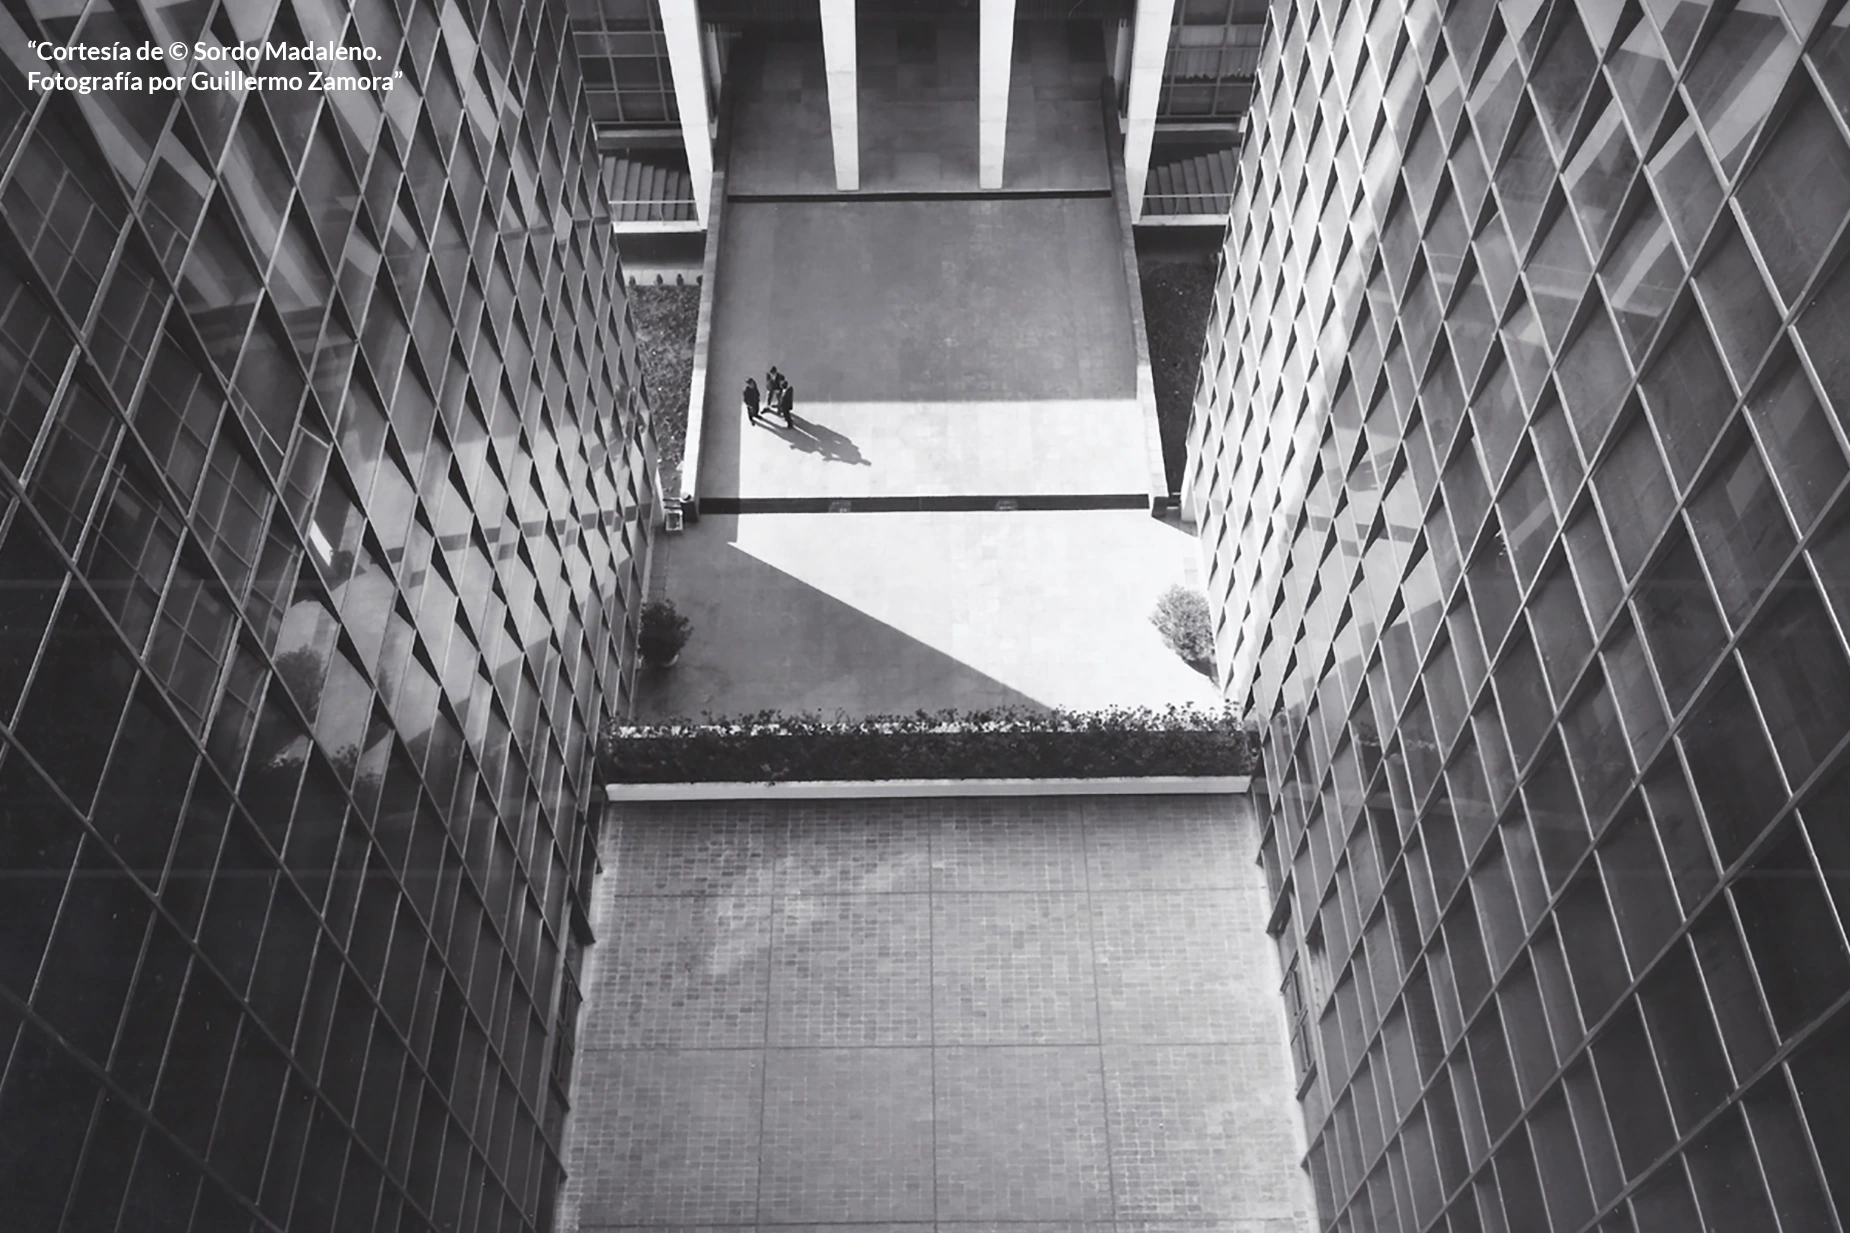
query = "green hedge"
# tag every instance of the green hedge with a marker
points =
(1008, 743)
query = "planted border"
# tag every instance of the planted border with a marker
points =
(1006, 743)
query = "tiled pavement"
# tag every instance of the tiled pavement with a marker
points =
(1027, 1015)
(975, 347)
(883, 613)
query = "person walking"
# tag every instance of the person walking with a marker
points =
(773, 382)
(751, 399)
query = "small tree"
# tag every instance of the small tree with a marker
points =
(1183, 619)
(664, 631)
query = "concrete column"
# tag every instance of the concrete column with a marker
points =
(1149, 49)
(1120, 57)
(687, 65)
(838, 58)
(716, 66)
(995, 55)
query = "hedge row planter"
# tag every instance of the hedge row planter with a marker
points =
(662, 634)
(1003, 744)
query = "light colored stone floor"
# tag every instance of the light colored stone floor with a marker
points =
(918, 116)
(860, 449)
(898, 1016)
(880, 613)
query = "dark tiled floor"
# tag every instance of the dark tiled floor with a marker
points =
(934, 1017)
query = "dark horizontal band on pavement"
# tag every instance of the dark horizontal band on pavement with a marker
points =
(1000, 194)
(923, 504)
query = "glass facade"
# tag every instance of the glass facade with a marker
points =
(1519, 461)
(324, 494)
(1213, 55)
(624, 58)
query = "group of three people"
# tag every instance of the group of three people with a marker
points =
(779, 398)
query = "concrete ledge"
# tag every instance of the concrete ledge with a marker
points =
(1158, 477)
(703, 344)
(703, 330)
(1216, 222)
(891, 789)
(644, 226)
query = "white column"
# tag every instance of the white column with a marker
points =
(1120, 56)
(996, 50)
(838, 58)
(1149, 48)
(687, 64)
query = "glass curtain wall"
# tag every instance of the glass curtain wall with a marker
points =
(324, 497)
(1213, 55)
(1519, 457)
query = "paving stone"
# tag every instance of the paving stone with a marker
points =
(713, 848)
(846, 970)
(1021, 1134)
(1008, 844)
(890, 612)
(999, 1124)
(1012, 969)
(1167, 969)
(847, 1135)
(1026, 1226)
(864, 848)
(1163, 843)
(681, 972)
(678, 1140)
(1189, 1141)
(1276, 1224)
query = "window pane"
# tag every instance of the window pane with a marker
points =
(1744, 535)
(1791, 932)
(1801, 678)
(1634, 493)
(1731, 766)
(1744, 314)
(1792, 229)
(1796, 437)
(1689, 397)
(1679, 622)
(1641, 277)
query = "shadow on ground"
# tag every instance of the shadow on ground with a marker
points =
(765, 640)
(810, 437)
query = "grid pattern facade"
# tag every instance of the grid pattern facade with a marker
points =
(624, 57)
(1213, 55)
(324, 492)
(1519, 460)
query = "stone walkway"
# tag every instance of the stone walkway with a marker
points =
(885, 613)
(961, 1014)
(941, 349)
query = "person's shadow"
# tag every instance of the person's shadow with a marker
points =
(813, 438)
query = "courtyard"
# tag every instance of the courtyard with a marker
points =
(951, 1013)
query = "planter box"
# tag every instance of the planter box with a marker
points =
(891, 789)
(1005, 744)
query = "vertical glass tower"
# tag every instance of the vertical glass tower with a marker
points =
(1519, 462)
(324, 495)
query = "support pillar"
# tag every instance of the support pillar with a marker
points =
(1149, 51)
(996, 51)
(687, 65)
(1120, 57)
(838, 58)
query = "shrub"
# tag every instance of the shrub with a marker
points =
(1007, 743)
(1183, 619)
(663, 632)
